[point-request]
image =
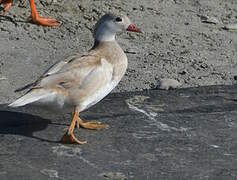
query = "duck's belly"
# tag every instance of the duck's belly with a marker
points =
(98, 95)
(58, 102)
(54, 103)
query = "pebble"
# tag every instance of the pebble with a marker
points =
(231, 27)
(167, 84)
(210, 20)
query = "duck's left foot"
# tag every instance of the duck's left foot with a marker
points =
(94, 125)
(71, 139)
(6, 5)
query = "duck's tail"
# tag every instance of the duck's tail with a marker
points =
(30, 97)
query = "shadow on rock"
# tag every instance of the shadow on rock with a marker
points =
(19, 123)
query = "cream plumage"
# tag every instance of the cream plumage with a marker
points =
(81, 81)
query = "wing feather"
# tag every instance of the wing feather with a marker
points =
(77, 73)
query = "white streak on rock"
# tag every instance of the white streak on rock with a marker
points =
(113, 175)
(228, 154)
(50, 172)
(3, 78)
(66, 151)
(74, 152)
(215, 146)
(152, 121)
(151, 116)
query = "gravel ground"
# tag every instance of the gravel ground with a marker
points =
(175, 43)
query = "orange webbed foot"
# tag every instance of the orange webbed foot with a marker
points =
(71, 139)
(45, 21)
(93, 125)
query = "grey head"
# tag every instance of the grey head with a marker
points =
(109, 24)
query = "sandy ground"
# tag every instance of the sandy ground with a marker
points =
(175, 43)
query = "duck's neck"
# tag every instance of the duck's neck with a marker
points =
(99, 44)
(104, 38)
(104, 34)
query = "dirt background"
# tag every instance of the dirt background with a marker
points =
(175, 43)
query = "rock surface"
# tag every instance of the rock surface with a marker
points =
(180, 134)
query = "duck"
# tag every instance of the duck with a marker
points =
(80, 81)
(34, 17)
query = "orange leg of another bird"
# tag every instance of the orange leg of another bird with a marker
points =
(69, 137)
(6, 5)
(41, 20)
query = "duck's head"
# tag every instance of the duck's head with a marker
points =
(109, 24)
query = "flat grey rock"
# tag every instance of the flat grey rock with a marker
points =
(180, 134)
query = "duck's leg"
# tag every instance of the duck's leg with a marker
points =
(41, 20)
(94, 125)
(69, 137)
(6, 5)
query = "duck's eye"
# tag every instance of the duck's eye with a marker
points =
(118, 19)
